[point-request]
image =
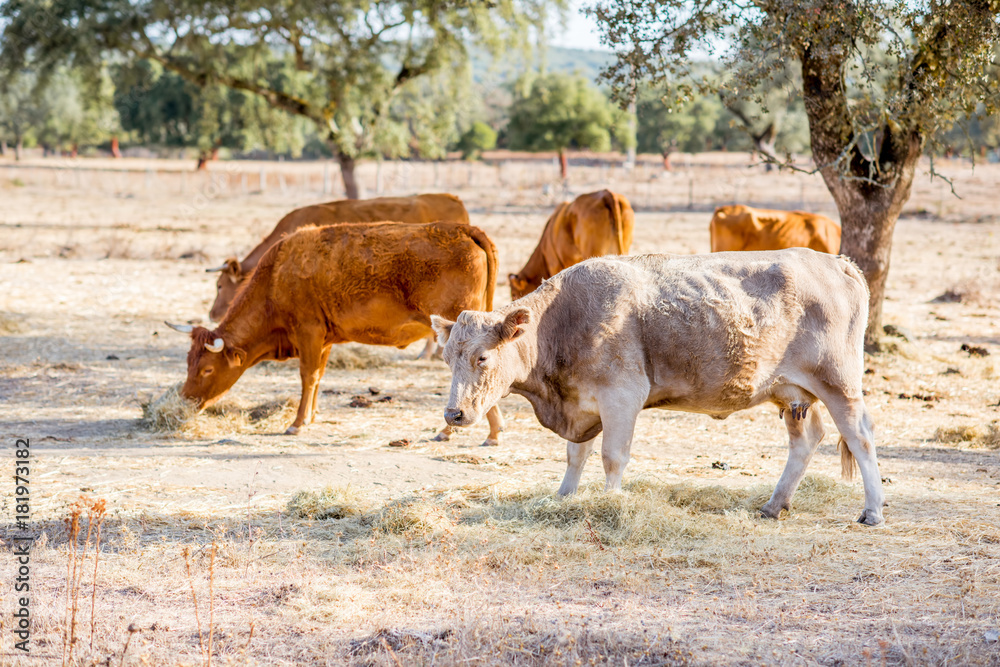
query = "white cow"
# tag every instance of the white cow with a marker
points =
(713, 334)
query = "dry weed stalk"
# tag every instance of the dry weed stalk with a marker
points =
(194, 599)
(94, 511)
(128, 640)
(206, 651)
(211, 604)
(251, 492)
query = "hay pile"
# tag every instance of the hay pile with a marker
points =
(168, 412)
(987, 436)
(646, 513)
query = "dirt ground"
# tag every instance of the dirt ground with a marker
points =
(334, 547)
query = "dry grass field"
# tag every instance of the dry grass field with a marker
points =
(222, 541)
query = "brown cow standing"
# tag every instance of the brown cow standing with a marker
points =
(599, 223)
(372, 283)
(419, 208)
(744, 228)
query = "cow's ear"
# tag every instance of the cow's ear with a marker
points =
(513, 325)
(517, 282)
(233, 270)
(236, 357)
(442, 327)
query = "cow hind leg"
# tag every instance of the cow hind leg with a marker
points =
(857, 434)
(805, 431)
(576, 456)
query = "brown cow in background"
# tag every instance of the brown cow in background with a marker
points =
(418, 208)
(744, 228)
(599, 223)
(372, 283)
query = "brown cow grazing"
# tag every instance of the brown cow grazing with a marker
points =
(372, 283)
(419, 208)
(599, 223)
(745, 228)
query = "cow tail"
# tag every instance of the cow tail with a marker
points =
(846, 460)
(492, 262)
(616, 219)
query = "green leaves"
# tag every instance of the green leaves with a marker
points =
(343, 66)
(559, 111)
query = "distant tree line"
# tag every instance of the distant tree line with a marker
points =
(269, 101)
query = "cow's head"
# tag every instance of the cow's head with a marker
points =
(482, 351)
(520, 286)
(213, 366)
(230, 277)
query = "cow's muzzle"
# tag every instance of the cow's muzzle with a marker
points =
(454, 417)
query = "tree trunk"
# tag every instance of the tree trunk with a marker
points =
(868, 216)
(115, 151)
(3, 148)
(563, 164)
(347, 164)
(666, 161)
(18, 146)
(869, 190)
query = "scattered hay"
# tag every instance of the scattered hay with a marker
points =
(462, 458)
(412, 515)
(356, 357)
(339, 502)
(900, 347)
(168, 412)
(267, 410)
(11, 323)
(226, 417)
(987, 436)
(973, 291)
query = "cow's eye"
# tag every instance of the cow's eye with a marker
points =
(481, 361)
(207, 371)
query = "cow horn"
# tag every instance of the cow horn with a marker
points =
(217, 269)
(216, 345)
(183, 328)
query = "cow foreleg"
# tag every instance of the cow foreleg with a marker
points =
(310, 370)
(618, 411)
(431, 349)
(495, 419)
(805, 431)
(325, 357)
(445, 434)
(576, 456)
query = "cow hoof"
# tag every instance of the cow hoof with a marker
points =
(441, 437)
(770, 512)
(490, 442)
(292, 430)
(870, 518)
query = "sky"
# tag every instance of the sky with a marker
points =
(579, 32)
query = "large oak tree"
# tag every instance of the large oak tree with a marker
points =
(880, 78)
(352, 58)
